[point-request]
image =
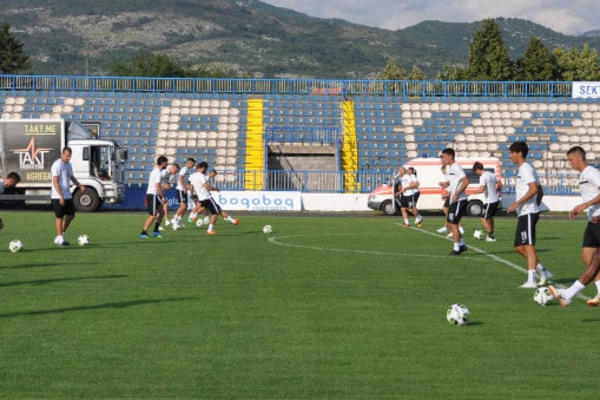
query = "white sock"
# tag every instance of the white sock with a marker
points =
(461, 242)
(193, 215)
(60, 238)
(598, 286)
(540, 267)
(456, 247)
(531, 275)
(230, 219)
(461, 230)
(406, 221)
(575, 288)
(211, 227)
(419, 216)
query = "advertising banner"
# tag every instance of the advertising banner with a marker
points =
(30, 148)
(586, 90)
(259, 201)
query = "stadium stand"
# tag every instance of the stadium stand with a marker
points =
(375, 132)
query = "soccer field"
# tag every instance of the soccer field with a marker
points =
(324, 307)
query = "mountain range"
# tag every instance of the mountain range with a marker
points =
(248, 37)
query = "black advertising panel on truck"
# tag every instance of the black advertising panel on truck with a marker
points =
(29, 148)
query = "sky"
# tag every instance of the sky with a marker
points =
(571, 17)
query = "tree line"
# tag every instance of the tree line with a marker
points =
(489, 60)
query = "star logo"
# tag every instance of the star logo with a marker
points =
(32, 157)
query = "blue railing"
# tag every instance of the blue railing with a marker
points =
(323, 87)
(287, 134)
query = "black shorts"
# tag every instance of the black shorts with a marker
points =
(525, 233)
(447, 202)
(182, 196)
(211, 205)
(409, 201)
(60, 211)
(456, 211)
(154, 204)
(591, 236)
(489, 210)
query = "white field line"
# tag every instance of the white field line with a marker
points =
(490, 255)
(274, 240)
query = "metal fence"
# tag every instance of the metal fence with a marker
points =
(308, 135)
(405, 89)
(366, 181)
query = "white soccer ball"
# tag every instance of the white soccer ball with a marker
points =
(543, 296)
(267, 229)
(15, 246)
(199, 222)
(478, 234)
(457, 314)
(83, 240)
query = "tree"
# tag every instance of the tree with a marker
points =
(577, 64)
(148, 64)
(392, 71)
(452, 73)
(12, 58)
(416, 74)
(488, 57)
(537, 64)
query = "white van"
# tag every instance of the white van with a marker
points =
(429, 175)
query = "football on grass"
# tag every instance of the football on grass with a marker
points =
(457, 314)
(15, 246)
(83, 240)
(267, 229)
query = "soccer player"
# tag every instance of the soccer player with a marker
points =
(490, 187)
(589, 185)
(61, 197)
(416, 193)
(407, 198)
(458, 198)
(211, 179)
(155, 198)
(446, 197)
(528, 199)
(11, 180)
(166, 178)
(182, 191)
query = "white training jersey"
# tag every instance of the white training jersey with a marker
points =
(153, 180)
(64, 171)
(184, 174)
(526, 175)
(488, 181)
(198, 180)
(414, 179)
(405, 180)
(165, 177)
(589, 186)
(455, 174)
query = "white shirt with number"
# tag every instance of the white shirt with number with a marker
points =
(589, 184)
(488, 181)
(455, 174)
(405, 180)
(154, 178)
(184, 174)
(64, 171)
(526, 175)
(198, 180)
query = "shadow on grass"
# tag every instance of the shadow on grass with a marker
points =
(474, 323)
(67, 279)
(591, 320)
(115, 305)
(42, 265)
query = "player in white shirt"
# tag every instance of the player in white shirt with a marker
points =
(155, 198)
(416, 193)
(490, 187)
(202, 187)
(458, 182)
(528, 199)
(408, 193)
(446, 206)
(167, 178)
(589, 185)
(61, 197)
(11, 180)
(183, 180)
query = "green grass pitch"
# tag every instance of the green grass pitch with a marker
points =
(324, 307)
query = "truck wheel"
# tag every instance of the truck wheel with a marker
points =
(474, 208)
(388, 208)
(87, 201)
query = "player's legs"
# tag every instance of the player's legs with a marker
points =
(1, 224)
(66, 222)
(455, 214)
(525, 246)
(154, 211)
(405, 216)
(58, 224)
(229, 218)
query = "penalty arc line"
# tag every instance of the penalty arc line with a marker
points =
(492, 256)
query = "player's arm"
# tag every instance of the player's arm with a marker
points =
(580, 207)
(444, 184)
(180, 181)
(58, 190)
(464, 182)
(210, 188)
(159, 191)
(480, 189)
(534, 190)
(76, 183)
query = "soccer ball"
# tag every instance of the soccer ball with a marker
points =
(83, 240)
(267, 229)
(15, 246)
(542, 296)
(478, 234)
(457, 314)
(199, 222)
